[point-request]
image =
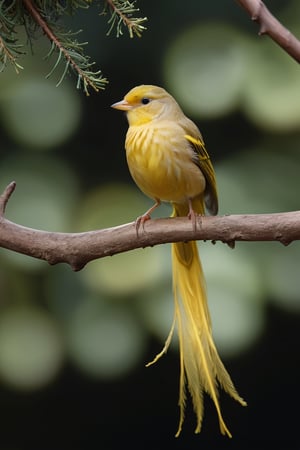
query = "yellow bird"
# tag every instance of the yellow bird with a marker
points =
(168, 161)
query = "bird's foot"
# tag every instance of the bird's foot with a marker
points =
(140, 221)
(146, 216)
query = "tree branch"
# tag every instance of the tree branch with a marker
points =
(77, 249)
(269, 25)
(71, 51)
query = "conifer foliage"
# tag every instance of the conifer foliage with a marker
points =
(37, 17)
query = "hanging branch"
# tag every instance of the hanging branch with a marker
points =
(47, 17)
(270, 26)
(71, 51)
(77, 249)
(122, 13)
(10, 50)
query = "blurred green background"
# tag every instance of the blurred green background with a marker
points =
(73, 346)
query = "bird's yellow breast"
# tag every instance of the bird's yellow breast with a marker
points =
(160, 162)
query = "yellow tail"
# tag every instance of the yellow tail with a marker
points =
(200, 365)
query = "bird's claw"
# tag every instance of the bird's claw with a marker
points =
(193, 216)
(140, 221)
(146, 216)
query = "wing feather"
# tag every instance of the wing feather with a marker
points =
(202, 160)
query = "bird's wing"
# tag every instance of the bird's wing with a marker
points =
(202, 160)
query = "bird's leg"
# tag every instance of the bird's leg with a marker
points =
(192, 215)
(146, 216)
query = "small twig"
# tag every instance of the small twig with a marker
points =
(6, 196)
(7, 55)
(122, 16)
(134, 26)
(269, 25)
(77, 249)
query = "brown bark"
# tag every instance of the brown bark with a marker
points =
(77, 249)
(269, 25)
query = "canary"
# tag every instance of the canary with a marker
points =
(168, 161)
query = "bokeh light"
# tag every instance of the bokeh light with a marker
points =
(44, 198)
(206, 66)
(72, 340)
(105, 341)
(271, 96)
(31, 349)
(282, 275)
(122, 274)
(37, 114)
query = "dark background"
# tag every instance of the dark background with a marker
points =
(76, 409)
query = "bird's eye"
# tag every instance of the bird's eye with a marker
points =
(145, 101)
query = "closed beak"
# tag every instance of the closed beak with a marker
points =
(123, 105)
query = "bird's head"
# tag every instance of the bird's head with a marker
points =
(146, 103)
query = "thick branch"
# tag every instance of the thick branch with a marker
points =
(77, 249)
(269, 25)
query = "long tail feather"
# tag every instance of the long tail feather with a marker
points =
(200, 364)
(201, 368)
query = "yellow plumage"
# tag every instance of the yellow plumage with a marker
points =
(167, 159)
